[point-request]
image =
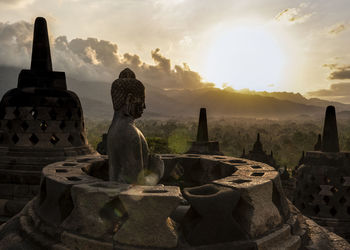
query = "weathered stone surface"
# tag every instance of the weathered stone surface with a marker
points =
(56, 202)
(97, 210)
(82, 243)
(322, 190)
(151, 225)
(280, 239)
(209, 219)
(31, 231)
(255, 212)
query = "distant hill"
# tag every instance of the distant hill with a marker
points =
(96, 101)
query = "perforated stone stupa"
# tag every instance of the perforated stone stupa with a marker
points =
(259, 154)
(41, 122)
(323, 181)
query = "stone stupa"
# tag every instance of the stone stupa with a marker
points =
(202, 145)
(323, 181)
(259, 154)
(41, 122)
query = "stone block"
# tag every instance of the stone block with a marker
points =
(151, 224)
(210, 220)
(55, 202)
(255, 211)
(97, 210)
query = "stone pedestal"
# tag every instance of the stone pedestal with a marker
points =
(210, 219)
(148, 223)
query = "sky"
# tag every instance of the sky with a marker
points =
(261, 45)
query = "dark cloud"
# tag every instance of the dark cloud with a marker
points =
(93, 59)
(339, 72)
(339, 92)
(15, 43)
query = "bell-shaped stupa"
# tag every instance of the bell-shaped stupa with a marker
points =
(323, 181)
(41, 122)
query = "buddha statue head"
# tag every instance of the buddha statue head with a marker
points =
(128, 94)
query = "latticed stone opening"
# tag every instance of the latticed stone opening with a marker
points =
(54, 139)
(239, 181)
(17, 113)
(70, 139)
(257, 174)
(256, 167)
(61, 170)
(34, 139)
(24, 125)
(326, 199)
(62, 125)
(9, 125)
(34, 113)
(311, 198)
(333, 211)
(43, 125)
(342, 200)
(53, 114)
(73, 178)
(15, 138)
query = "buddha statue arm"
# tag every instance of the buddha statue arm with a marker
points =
(153, 165)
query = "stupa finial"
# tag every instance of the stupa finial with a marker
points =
(202, 133)
(330, 141)
(41, 55)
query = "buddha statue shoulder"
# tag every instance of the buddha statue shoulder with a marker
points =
(129, 158)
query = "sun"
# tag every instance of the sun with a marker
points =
(243, 58)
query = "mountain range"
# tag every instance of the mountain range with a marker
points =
(160, 103)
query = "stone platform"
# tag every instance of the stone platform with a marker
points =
(78, 209)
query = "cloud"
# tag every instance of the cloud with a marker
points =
(337, 28)
(335, 90)
(16, 3)
(16, 43)
(94, 60)
(294, 15)
(339, 72)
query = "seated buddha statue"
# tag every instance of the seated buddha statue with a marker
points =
(130, 160)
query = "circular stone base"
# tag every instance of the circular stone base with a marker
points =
(77, 210)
